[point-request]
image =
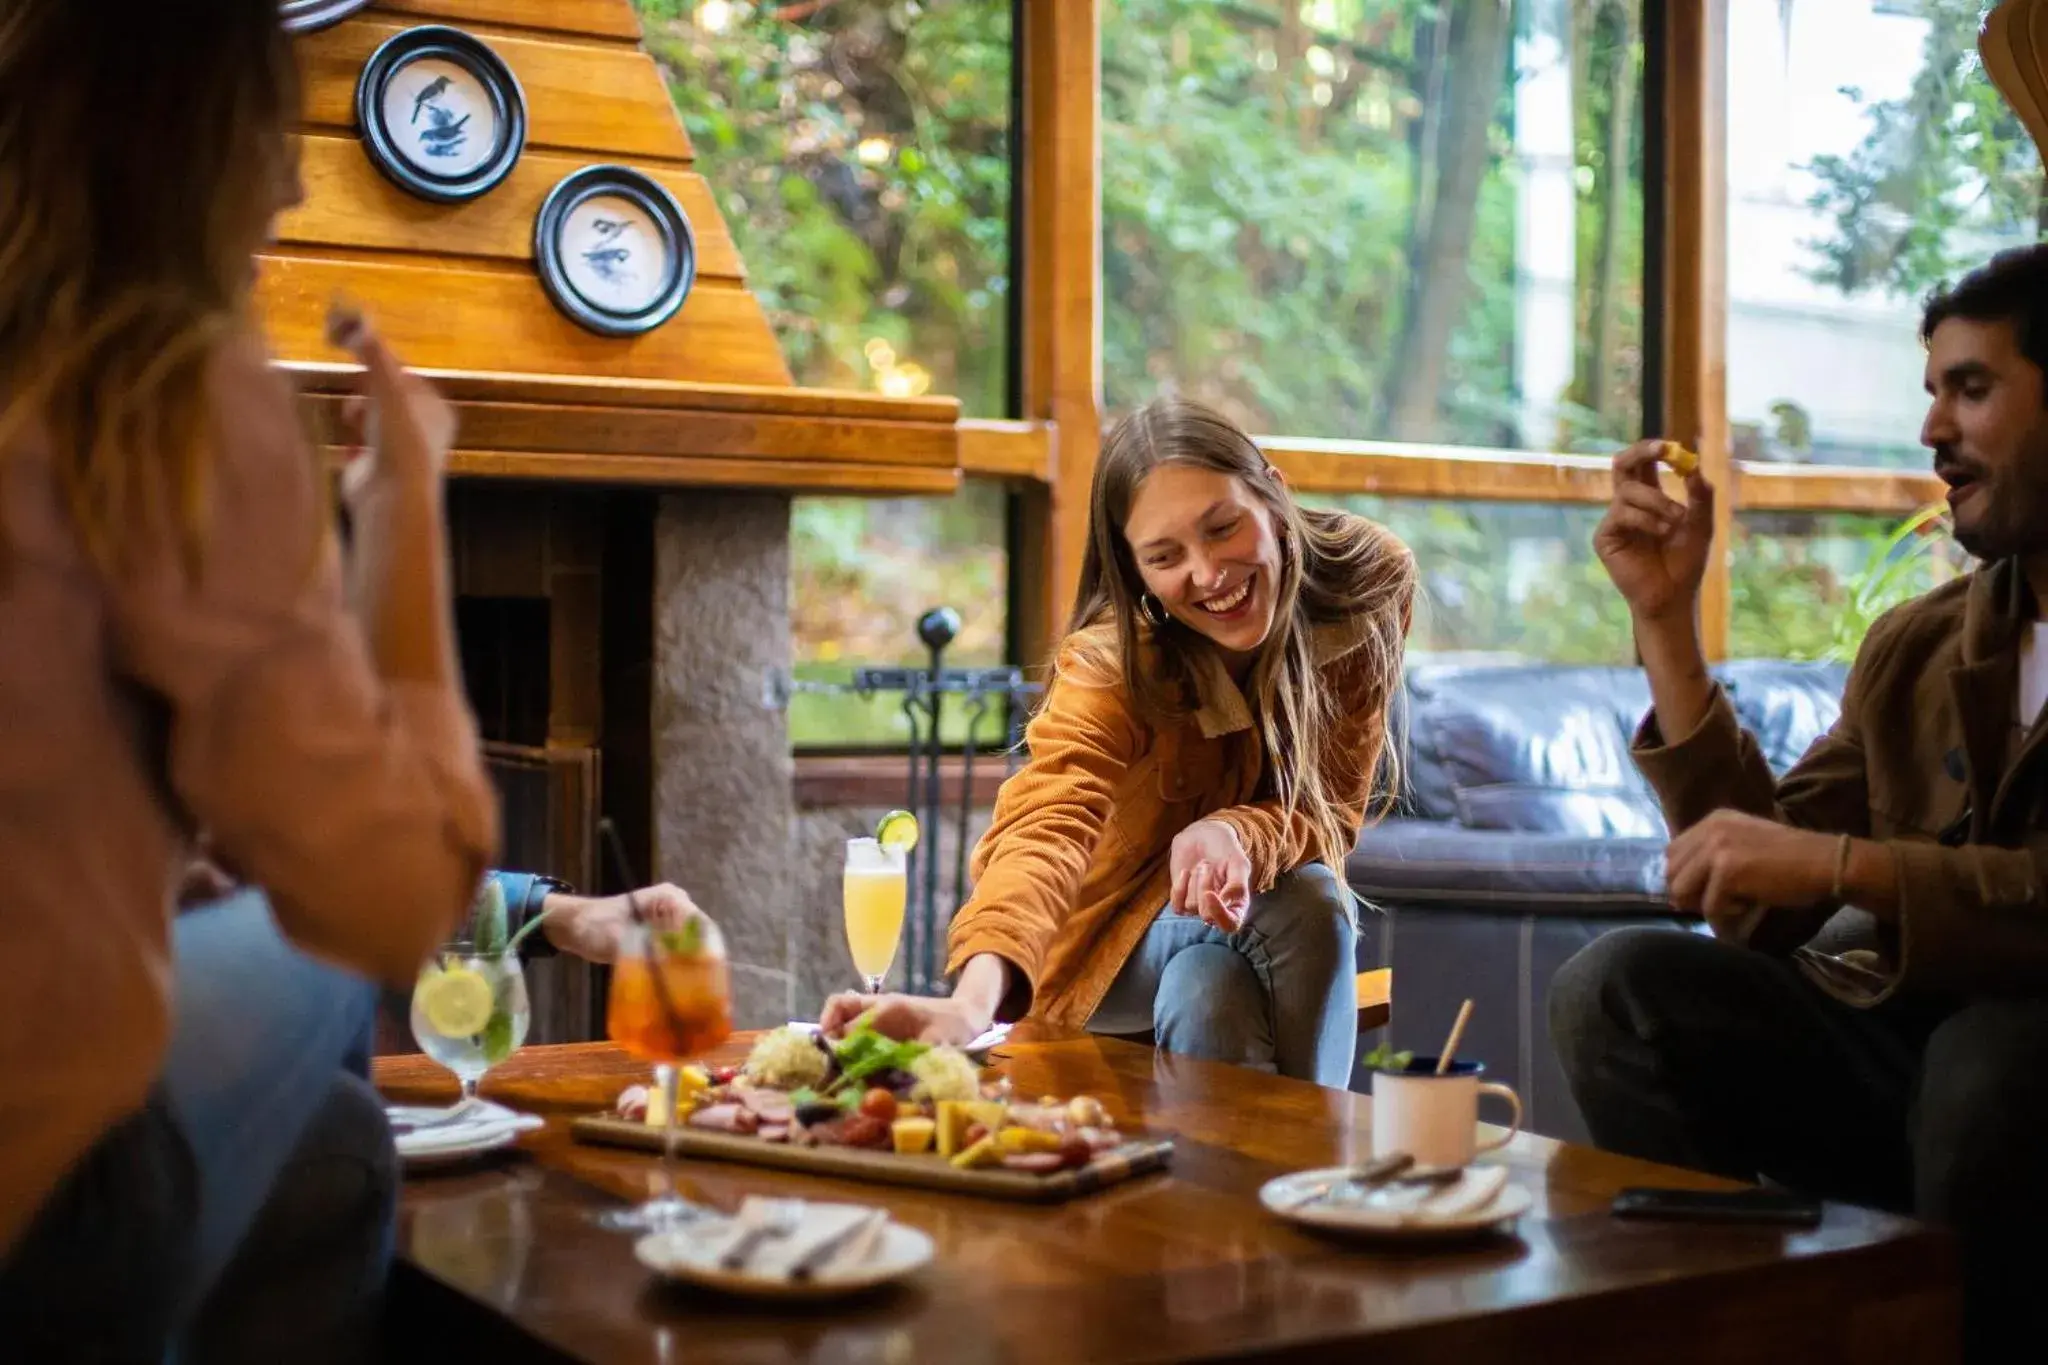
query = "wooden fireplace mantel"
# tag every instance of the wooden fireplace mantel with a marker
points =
(595, 430)
(704, 399)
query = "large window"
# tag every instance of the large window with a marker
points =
(1512, 580)
(1395, 219)
(861, 152)
(1869, 159)
(864, 572)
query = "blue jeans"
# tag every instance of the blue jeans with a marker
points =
(1277, 995)
(257, 1186)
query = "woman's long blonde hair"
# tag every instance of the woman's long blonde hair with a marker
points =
(139, 150)
(1334, 568)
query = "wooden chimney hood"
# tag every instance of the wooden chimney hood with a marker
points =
(703, 399)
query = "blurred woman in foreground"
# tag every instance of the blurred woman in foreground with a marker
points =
(178, 651)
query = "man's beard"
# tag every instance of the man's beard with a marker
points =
(2014, 522)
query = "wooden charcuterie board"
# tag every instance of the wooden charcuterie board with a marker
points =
(1138, 1157)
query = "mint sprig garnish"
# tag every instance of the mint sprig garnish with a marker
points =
(1383, 1058)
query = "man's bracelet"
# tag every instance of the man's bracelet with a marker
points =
(1842, 851)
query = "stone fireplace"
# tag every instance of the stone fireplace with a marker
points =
(620, 648)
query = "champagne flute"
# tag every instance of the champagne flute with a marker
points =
(874, 890)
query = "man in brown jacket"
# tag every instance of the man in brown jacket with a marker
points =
(1894, 1053)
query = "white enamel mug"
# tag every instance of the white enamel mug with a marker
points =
(1433, 1118)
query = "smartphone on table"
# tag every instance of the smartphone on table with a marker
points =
(1779, 1208)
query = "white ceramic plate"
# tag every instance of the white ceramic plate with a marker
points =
(419, 1155)
(1386, 1215)
(489, 1128)
(693, 1259)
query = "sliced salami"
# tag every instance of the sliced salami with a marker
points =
(726, 1118)
(1035, 1163)
(772, 1107)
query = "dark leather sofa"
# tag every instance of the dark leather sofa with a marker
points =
(1525, 832)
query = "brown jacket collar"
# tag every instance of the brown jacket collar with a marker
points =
(1985, 686)
(1998, 607)
(1220, 705)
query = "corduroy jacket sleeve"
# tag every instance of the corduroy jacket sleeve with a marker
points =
(1049, 817)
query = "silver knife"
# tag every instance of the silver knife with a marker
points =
(819, 1256)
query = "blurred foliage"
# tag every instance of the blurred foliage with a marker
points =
(1521, 580)
(1809, 586)
(1512, 579)
(861, 152)
(862, 574)
(1272, 174)
(1947, 158)
(1941, 176)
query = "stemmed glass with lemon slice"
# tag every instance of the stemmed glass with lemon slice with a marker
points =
(470, 1009)
(874, 892)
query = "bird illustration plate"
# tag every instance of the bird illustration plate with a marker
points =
(615, 250)
(441, 114)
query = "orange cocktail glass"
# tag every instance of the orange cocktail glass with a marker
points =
(699, 994)
(671, 999)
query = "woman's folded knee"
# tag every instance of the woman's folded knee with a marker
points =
(1211, 1004)
(1309, 910)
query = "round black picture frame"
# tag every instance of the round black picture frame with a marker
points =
(310, 16)
(678, 241)
(452, 46)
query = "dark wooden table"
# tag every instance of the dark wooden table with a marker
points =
(502, 1264)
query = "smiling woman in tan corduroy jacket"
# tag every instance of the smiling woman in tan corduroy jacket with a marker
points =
(1168, 859)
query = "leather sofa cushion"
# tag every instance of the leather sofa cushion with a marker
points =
(1487, 743)
(1425, 862)
(1544, 749)
(1786, 705)
(1609, 813)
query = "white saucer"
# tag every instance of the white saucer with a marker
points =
(688, 1256)
(486, 1128)
(1397, 1212)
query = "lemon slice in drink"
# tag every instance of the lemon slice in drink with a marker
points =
(897, 831)
(456, 1003)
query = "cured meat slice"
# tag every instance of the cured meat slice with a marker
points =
(772, 1107)
(1035, 1163)
(726, 1118)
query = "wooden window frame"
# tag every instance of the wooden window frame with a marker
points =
(1050, 454)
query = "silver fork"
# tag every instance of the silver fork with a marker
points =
(1396, 1168)
(455, 1113)
(774, 1218)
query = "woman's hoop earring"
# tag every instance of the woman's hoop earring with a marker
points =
(1152, 609)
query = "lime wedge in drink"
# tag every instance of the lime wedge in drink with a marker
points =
(897, 831)
(456, 1003)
